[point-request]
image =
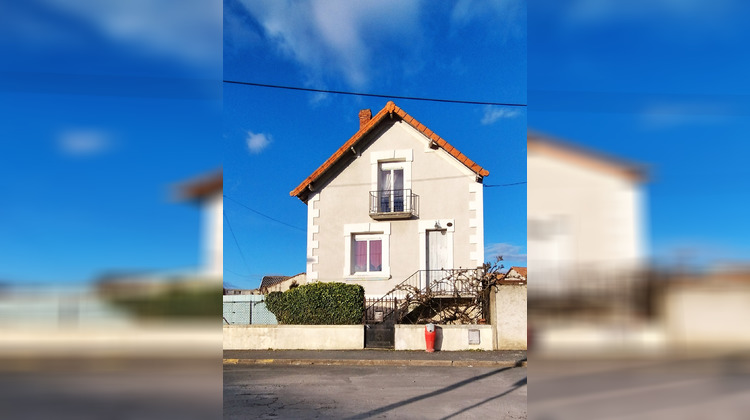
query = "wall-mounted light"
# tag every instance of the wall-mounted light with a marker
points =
(437, 224)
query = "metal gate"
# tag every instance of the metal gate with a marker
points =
(380, 336)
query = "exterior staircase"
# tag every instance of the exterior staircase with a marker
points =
(407, 298)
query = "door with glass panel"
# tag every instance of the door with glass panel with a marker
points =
(391, 187)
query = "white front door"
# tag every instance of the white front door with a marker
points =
(437, 256)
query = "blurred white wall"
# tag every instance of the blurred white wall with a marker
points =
(585, 214)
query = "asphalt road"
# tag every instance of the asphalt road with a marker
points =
(363, 392)
(111, 389)
(706, 388)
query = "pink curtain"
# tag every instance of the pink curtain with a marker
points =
(376, 255)
(360, 256)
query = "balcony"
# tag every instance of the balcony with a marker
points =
(393, 204)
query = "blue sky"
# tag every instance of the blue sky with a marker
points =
(273, 139)
(662, 83)
(105, 107)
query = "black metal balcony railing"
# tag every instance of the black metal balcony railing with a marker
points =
(393, 203)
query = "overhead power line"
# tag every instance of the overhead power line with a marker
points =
(266, 216)
(504, 185)
(236, 242)
(373, 95)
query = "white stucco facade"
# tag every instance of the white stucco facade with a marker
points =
(450, 208)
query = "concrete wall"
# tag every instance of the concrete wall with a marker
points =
(448, 192)
(447, 338)
(294, 337)
(508, 316)
(707, 315)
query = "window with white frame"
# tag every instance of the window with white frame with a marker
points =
(391, 187)
(367, 248)
(367, 254)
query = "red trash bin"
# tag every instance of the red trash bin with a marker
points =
(429, 337)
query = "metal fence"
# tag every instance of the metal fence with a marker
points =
(247, 310)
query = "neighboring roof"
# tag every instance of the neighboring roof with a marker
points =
(202, 186)
(519, 270)
(390, 109)
(578, 155)
(269, 281)
(503, 278)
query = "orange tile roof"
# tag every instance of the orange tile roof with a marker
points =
(202, 185)
(389, 109)
(540, 143)
(520, 270)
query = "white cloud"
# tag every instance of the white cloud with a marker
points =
(499, 15)
(494, 113)
(85, 142)
(189, 30)
(336, 36)
(256, 143)
(668, 115)
(692, 12)
(509, 252)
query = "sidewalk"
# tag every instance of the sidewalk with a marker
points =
(376, 357)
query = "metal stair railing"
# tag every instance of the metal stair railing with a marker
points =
(388, 304)
(442, 283)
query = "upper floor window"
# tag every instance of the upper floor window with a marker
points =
(391, 196)
(391, 187)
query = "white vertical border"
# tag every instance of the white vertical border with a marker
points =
(312, 231)
(383, 228)
(476, 204)
(424, 226)
(401, 155)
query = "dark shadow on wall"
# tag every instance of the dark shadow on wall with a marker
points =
(438, 338)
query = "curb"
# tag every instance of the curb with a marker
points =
(359, 362)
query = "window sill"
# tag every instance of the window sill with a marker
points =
(369, 277)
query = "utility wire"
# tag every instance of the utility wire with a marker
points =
(235, 241)
(373, 95)
(266, 216)
(504, 185)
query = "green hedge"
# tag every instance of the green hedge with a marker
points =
(319, 304)
(178, 303)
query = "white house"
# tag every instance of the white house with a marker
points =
(207, 191)
(585, 215)
(394, 200)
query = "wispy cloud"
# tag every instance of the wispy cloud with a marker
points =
(257, 142)
(668, 115)
(494, 113)
(190, 33)
(498, 15)
(85, 142)
(689, 10)
(509, 252)
(336, 38)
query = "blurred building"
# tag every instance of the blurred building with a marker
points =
(585, 215)
(207, 191)
(586, 235)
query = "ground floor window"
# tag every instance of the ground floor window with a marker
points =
(367, 254)
(366, 250)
